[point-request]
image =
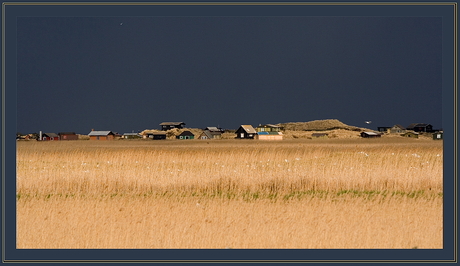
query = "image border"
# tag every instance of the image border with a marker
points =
(12, 10)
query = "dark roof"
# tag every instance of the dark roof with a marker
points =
(186, 133)
(51, 135)
(417, 125)
(171, 123)
(66, 133)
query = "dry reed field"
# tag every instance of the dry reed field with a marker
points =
(360, 193)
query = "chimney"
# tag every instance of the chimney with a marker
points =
(40, 137)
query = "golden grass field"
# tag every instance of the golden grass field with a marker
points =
(306, 194)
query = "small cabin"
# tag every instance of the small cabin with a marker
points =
(420, 127)
(155, 136)
(370, 135)
(101, 135)
(50, 136)
(171, 125)
(245, 132)
(207, 134)
(397, 129)
(185, 135)
(438, 135)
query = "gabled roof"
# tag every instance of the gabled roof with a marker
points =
(398, 126)
(100, 133)
(207, 133)
(171, 123)
(186, 133)
(51, 135)
(417, 125)
(248, 129)
(212, 129)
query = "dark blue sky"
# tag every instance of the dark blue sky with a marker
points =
(132, 73)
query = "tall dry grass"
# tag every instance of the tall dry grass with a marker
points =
(235, 193)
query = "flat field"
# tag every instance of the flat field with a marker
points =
(336, 193)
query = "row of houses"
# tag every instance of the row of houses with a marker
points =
(261, 132)
(412, 131)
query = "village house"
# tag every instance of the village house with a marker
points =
(370, 135)
(68, 136)
(185, 135)
(420, 127)
(245, 132)
(397, 129)
(170, 125)
(49, 136)
(210, 135)
(101, 135)
(155, 135)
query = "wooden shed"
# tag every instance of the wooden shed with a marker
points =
(185, 135)
(50, 136)
(207, 134)
(270, 135)
(68, 136)
(170, 125)
(245, 132)
(156, 136)
(101, 135)
(438, 135)
(370, 135)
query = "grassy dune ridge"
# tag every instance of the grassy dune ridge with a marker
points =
(383, 193)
